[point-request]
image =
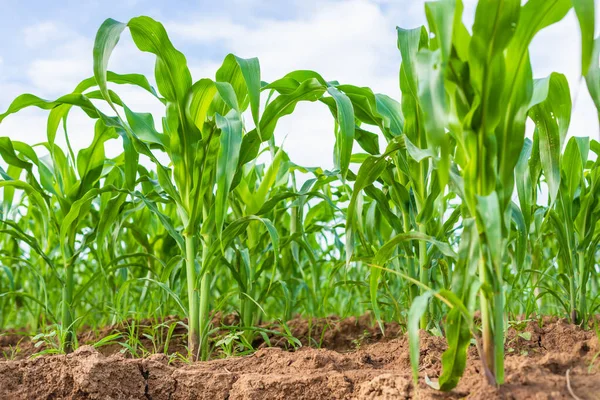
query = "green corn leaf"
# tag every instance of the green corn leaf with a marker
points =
(345, 136)
(573, 162)
(299, 76)
(454, 360)
(366, 107)
(488, 209)
(417, 309)
(107, 37)
(200, 98)
(37, 201)
(227, 161)
(409, 43)
(384, 207)
(592, 78)
(552, 116)
(244, 77)
(112, 212)
(142, 124)
(521, 232)
(586, 12)
(459, 319)
(233, 231)
(415, 152)
(13, 173)
(78, 210)
(172, 75)
(251, 71)
(432, 98)
(523, 181)
(534, 16)
(270, 204)
(91, 160)
(374, 279)
(391, 113)
(228, 95)
(441, 19)
(368, 141)
(309, 90)
(367, 174)
(258, 198)
(76, 99)
(388, 248)
(284, 104)
(8, 154)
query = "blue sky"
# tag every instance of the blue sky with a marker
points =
(47, 49)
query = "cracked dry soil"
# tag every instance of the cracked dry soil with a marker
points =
(536, 368)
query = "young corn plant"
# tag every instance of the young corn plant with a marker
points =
(63, 204)
(208, 146)
(574, 219)
(466, 97)
(62, 188)
(202, 137)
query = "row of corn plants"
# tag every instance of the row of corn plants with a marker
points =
(442, 212)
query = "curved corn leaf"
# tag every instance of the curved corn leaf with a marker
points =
(388, 248)
(586, 12)
(345, 136)
(417, 309)
(227, 161)
(551, 116)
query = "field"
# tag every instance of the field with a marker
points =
(452, 252)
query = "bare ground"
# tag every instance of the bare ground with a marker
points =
(355, 363)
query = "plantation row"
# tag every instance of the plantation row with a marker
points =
(426, 231)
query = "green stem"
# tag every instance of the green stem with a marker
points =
(499, 334)
(204, 316)
(486, 323)
(594, 283)
(582, 288)
(190, 267)
(573, 290)
(203, 313)
(423, 274)
(67, 311)
(248, 308)
(412, 271)
(535, 263)
(246, 303)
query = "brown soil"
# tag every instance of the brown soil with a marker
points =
(332, 333)
(355, 363)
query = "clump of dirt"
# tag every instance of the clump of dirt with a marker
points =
(543, 364)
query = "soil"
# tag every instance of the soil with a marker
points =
(550, 359)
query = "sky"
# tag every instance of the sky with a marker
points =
(47, 49)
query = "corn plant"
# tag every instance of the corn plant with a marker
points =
(62, 201)
(208, 147)
(466, 97)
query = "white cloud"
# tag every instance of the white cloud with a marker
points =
(208, 30)
(70, 61)
(62, 71)
(351, 41)
(43, 33)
